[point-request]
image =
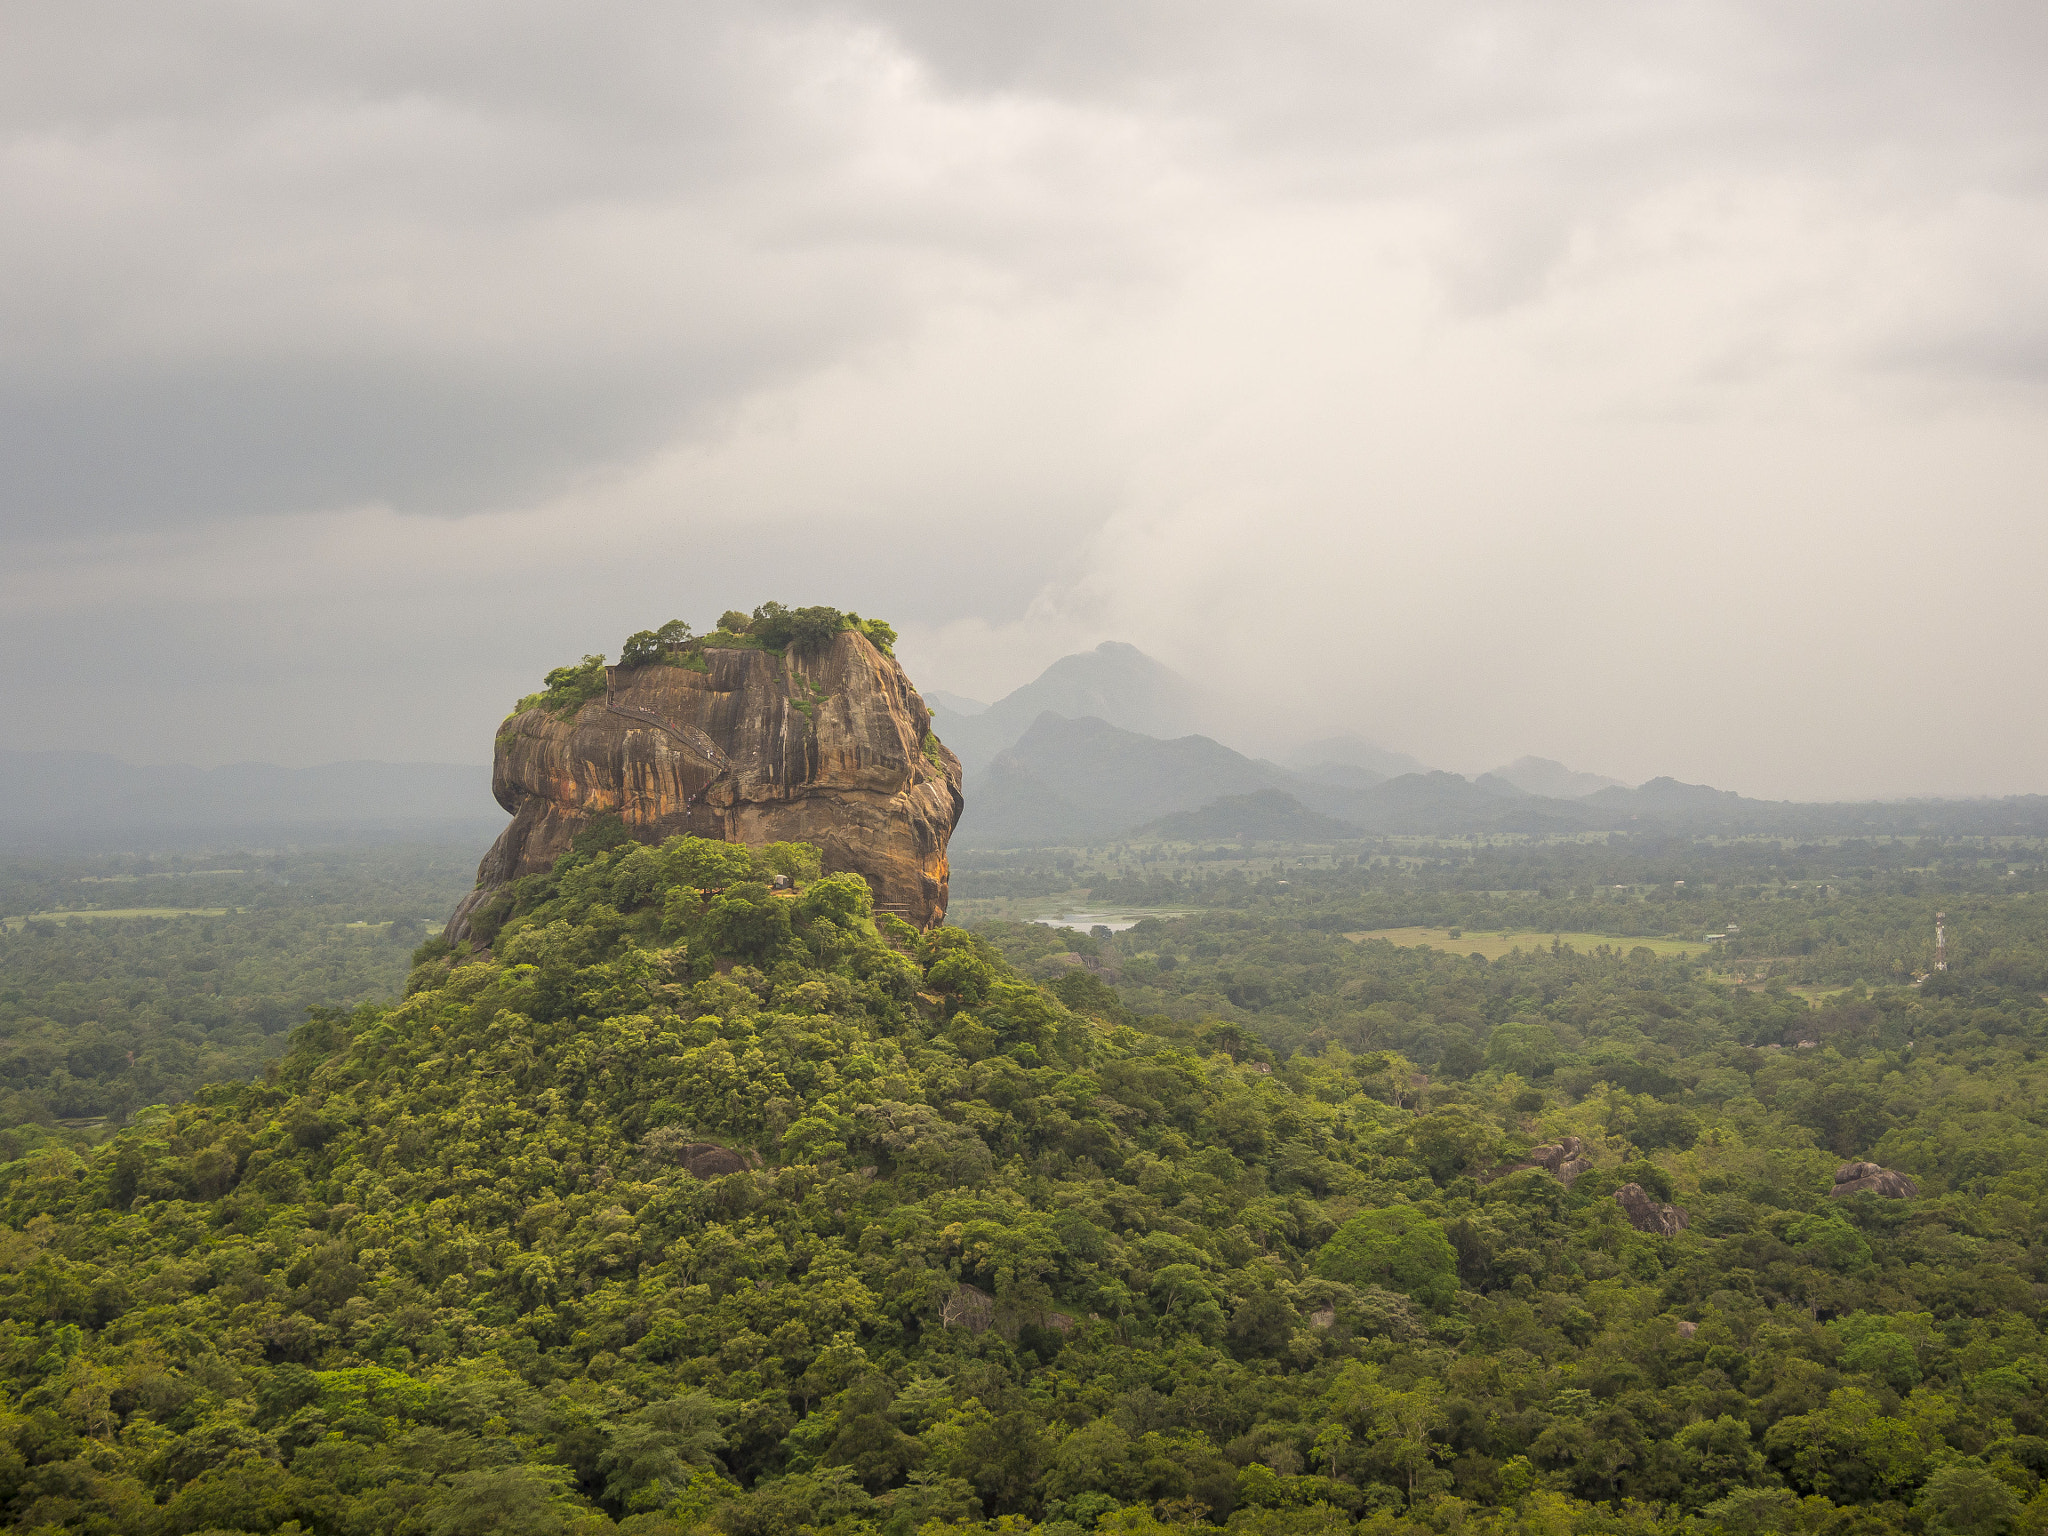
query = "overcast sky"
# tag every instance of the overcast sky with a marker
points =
(1655, 386)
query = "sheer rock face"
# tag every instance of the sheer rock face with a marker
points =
(1859, 1178)
(1647, 1215)
(824, 748)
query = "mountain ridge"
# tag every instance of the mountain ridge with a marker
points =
(1115, 682)
(1547, 776)
(1079, 781)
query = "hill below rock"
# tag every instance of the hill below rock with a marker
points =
(700, 1209)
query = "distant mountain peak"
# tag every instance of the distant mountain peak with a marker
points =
(1547, 776)
(1352, 751)
(1115, 682)
(1667, 793)
(942, 703)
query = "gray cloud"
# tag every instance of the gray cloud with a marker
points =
(1651, 387)
(438, 267)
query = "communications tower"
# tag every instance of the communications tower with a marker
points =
(1940, 942)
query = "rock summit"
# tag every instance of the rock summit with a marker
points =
(831, 746)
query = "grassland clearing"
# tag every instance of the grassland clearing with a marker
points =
(1494, 944)
(95, 914)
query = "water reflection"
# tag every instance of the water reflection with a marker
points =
(1115, 922)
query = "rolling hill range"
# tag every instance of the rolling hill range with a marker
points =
(1077, 780)
(1068, 781)
(1116, 683)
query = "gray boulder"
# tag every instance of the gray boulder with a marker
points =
(1869, 1178)
(1647, 1215)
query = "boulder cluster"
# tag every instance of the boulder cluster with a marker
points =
(974, 1309)
(701, 1159)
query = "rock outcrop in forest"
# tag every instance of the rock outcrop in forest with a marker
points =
(1870, 1178)
(1649, 1215)
(1564, 1160)
(829, 745)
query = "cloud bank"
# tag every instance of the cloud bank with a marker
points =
(1656, 388)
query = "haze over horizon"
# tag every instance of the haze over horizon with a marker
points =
(1658, 390)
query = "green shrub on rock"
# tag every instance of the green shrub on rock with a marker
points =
(567, 689)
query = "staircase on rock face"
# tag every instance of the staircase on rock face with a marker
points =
(692, 738)
(688, 735)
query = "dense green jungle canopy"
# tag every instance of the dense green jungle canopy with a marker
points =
(1848, 911)
(100, 1017)
(703, 1205)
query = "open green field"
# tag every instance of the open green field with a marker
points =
(156, 874)
(96, 913)
(1495, 943)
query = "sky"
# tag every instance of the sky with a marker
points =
(1659, 387)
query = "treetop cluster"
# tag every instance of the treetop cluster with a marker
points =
(706, 1203)
(771, 627)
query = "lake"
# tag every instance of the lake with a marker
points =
(1115, 922)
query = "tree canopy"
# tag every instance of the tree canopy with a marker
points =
(701, 1202)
